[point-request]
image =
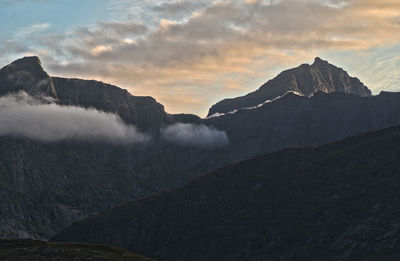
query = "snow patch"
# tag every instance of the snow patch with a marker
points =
(217, 114)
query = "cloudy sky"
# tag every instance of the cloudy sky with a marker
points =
(190, 54)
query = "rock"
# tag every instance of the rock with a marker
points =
(305, 80)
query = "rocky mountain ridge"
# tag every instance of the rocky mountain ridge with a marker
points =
(46, 186)
(305, 80)
(27, 74)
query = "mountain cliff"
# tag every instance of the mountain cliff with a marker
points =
(305, 80)
(334, 202)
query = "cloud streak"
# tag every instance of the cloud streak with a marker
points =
(196, 135)
(24, 116)
(34, 28)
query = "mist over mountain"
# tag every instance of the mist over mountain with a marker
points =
(144, 112)
(27, 74)
(49, 179)
(22, 115)
(188, 134)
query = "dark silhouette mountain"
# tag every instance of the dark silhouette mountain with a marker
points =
(305, 80)
(46, 186)
(334, 202)
(30, 250)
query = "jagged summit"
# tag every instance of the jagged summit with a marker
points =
(28, 60)
(305, 79)
(30, 64)
(318, 60)
(26, 74)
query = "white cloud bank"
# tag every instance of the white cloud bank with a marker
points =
(194, 135)
(23, 116)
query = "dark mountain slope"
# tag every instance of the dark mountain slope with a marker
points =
(144, 112)
(305, 79)
(297, 121)
(29, 250)
(334, 202)
(46, 186)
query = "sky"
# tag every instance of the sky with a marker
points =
(191, 54)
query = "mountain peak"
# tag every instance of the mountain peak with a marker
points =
(28, 60)
(318, 60)
(305, 79)
(26, 74)
(30, 64)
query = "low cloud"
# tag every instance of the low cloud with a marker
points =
(24, 116)
(194, 135)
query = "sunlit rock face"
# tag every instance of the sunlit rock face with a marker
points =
(305, 80)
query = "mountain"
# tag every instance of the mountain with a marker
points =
(27, 74)
(30, 250)
(300, 121)
(144, 112)
(46, 186)
(334, 202)
(305, 80)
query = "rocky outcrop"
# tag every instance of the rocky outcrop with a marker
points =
(26, 75)
(305, 80)
(334, 202)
